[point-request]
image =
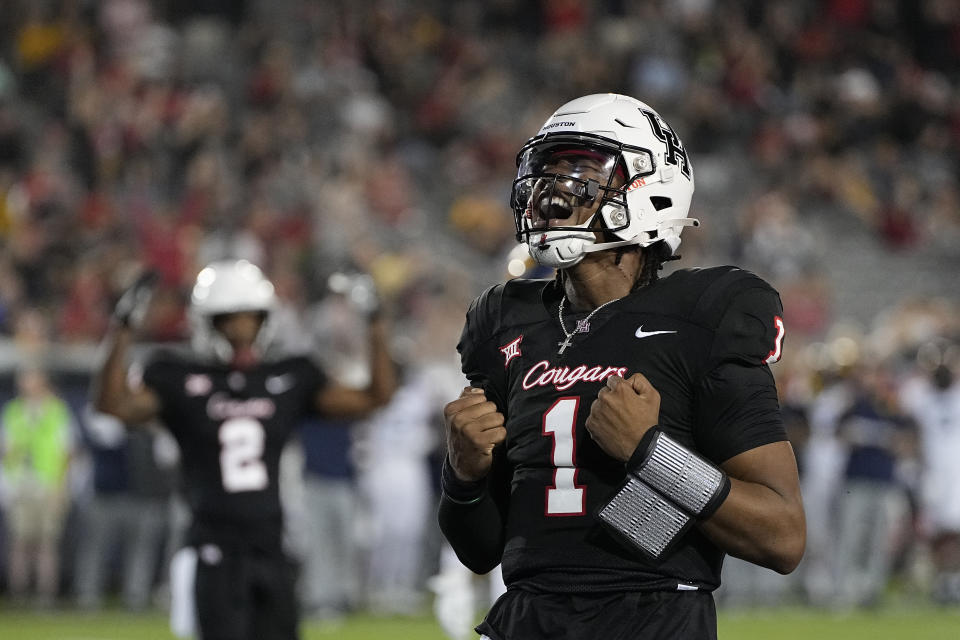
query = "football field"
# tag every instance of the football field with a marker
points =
(764, 624)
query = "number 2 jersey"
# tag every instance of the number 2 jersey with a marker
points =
(703, 337)
(231, 426)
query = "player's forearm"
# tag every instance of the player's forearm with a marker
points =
(760, 525)
(383, 375)
(475, 531)
(110, 383)
(471, 520)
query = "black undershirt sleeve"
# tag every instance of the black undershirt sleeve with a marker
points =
(472, 516)
(737, 410)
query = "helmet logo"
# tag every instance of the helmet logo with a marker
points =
(676, 154)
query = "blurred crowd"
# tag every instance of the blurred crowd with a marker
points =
(317, 137)
(874, 418)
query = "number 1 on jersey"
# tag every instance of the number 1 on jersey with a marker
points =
(564, 498)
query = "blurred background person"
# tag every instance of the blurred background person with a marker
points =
(124, 520)
(327, 523)
(395, 485)
(232, 402)
(396, 448)
(823, 460)
(933, 399)
(873, 506)
(328, 548)
(36, 445)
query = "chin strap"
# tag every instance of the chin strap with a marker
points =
(603, 246)
(643, 239)
(569, 246)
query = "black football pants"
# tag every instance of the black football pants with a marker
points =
(658, 615)
(246, 596)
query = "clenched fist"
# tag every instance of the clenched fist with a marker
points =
(622, 413)
(474, 428)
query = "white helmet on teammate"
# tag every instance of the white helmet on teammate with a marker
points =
(606, 146)
(229, 286)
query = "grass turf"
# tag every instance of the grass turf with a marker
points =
(762, 624)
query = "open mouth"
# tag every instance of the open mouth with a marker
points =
(554, 208)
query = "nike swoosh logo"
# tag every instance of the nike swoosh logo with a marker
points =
(646, 334)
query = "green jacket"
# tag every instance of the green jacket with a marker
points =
(36, 441)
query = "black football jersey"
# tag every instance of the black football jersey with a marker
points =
(703, 337)
(231, 427)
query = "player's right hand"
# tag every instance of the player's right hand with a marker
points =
(622, 414)
(474, 427)
(132, 306)
(360, 289)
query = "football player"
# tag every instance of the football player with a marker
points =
(232, 401)
(621, 432)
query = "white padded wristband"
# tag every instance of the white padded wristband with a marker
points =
(682, 476)
(643, 518)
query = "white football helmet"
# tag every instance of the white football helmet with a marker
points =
(576, 157)
(229, 286)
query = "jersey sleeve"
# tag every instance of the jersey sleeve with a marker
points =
(737, 406)
(737, 410)
(159, 373)
(750, 330)
(478, 350)
(311, 379)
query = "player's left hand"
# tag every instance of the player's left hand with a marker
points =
(622, 413)
(131, 309)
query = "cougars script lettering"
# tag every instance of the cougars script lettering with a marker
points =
(562, 378)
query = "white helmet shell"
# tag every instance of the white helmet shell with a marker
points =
(650, 206)
(229, 286)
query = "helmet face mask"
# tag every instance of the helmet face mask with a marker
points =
(559, 175)
(604, 147)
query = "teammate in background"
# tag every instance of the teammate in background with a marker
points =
(231, 402)
(621, 432)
